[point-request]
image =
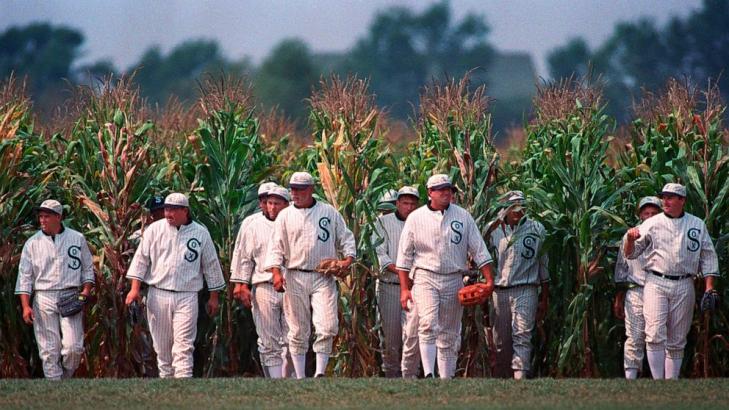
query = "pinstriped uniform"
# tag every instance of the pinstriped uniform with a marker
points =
(521, 269)
(302, 237)
(268, 313)
(174, 262)
(410, 348)
(673, 247)
(47, 267)
(437, 245)
(632, 273)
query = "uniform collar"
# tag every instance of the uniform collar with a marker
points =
(313, 204)
(438, 210)
(675, 217)
(53, 237)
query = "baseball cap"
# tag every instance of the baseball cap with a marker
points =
(301, 180)
(649, 200)
(675, 189)
(156, 202)
(280, 192)
(389, 196)
(516, 196)
(51, 205)
(265, 188)
(177, 200)
(408, 190)
(439, 181)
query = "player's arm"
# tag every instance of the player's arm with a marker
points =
(213, 273)
(405, 257)
(275, 254)
(87, 274)
(636, 241)
(138, 268)
(708, 260)
(345, 238)
(242, 272)
(621, 279)
(480, 254)
(384, 259)
(24, 284)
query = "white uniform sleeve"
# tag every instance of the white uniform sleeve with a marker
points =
(275, 253)
(621, 265)
(246, 265)
(141, 260)
(380, 234)
(642, 243)
(24, 283)
(210, 265)
(235, 260)
(87, 263)
(476, 245)
(345, 238)
(708, 260)
(406, 248)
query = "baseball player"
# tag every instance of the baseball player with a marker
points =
(386, 204)
(303, 236)
(388, 228)
(266, 302)
(678, 248)
(156, 208)
(436, 243)
(174, 257)
(517, 300)
(53, 261)
(628, 304)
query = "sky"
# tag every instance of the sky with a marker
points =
(121, 30)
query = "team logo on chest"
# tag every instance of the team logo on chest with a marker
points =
(457, 228)
(324, 233)
(693, 237)
(529, 243)
(193, 246)
(73, 253)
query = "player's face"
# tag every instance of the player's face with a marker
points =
(263, 203)
(673, 204)
(406, 204)
(177, 216)
(302, 196)
(648, 211)
(440, 198)
(274, 205)
(50, 222)
(513, 217)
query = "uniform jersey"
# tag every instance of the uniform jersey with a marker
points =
(441, 241)
(54, 264)
(630, 270)
(235, 260)
(251, 248)
(302, 237)
(518, 252)
(676, 246)
(177, 259)
(388, 228)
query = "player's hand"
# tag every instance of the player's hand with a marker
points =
(633, 234)
(345, 263)
(279, 283)
(213, 305)
(243, 294)
(405, 296)
(132, 296)
(28, 315)
(619, 305)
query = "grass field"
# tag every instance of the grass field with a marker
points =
(363, 393)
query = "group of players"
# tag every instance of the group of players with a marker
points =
(425, 255)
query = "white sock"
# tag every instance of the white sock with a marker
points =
(656, 361)
(274, 372)
(673, 367)
(519, 375)
(631, 374)
(427, 356)
(322, 359)
(299, 365)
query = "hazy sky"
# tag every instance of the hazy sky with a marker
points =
(122, 30)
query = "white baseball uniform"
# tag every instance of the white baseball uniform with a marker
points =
(387, 230)
(48, 266)
(174, 262)
(251, 248)
(437, 244)
(677, 249)
(522, 267)
(302, 237)
(631, 274)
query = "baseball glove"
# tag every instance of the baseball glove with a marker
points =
(476, 294)
(70, 303)
(710, 301)
(330, 267)
(135, 313)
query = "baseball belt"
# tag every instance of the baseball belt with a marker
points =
(671, 277)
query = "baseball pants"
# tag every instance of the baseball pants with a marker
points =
(311, 297)
(440, 314)
(634, 348)
(515, 310)
(172, 318)
(60, 339)
(268, 315)
(410, 347)
(392, 317)
(668, 308)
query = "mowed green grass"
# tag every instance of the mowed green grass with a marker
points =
(207, 394)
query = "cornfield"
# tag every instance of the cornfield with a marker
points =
(108, 152)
